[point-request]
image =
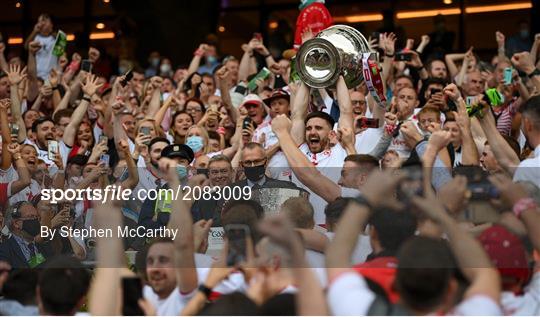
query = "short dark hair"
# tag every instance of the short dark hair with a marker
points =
(393, 227)
(214, 135)
(362, 160)
(62, 114)
(244, 212)
(21, 286)
(176, 114)
(78, 160)
(334, 210)
(531, 109)
(322, 115)
(40, 121)
(62, 285)
(425, 268)
(219, 158)
(158, 139)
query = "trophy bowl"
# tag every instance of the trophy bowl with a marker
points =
(335, 51)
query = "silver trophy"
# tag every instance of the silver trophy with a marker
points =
(271, 199)
(335, 51)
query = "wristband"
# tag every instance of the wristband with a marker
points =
(221, 130)
(535, 72)
(55, 87)
(390, 129)
(16, 158)
(205, 290)
(522, 205)
(390, 55)
(267, 55)
(87, 98)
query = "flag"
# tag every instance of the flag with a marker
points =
(60, 44)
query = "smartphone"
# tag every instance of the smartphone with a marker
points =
(105, 158)
(470, 100)
(403, 57)
(52, 149)
(240, 89)
(477, 183)
(131, 293)
(367, 123)
(236, 236)
(129, 76)
(263, 74)
(412, 185)
(507, 75)
(435, 91)
(86, 65)
(146, 131)
(103, 139)
(258, 36)
(14, 129)
(247, 121)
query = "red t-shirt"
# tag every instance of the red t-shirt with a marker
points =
(382, 271)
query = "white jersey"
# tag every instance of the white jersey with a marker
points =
(366, 140)
(44, 154)
(527, 304)
(170, 306)
(26, 194)
(8, 175)
(45, 61)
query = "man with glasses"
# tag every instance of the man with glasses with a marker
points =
(220, 174)
(20, 250)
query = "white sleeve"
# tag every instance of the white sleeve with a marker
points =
(349, 192)
(478, 305)
(349, 295)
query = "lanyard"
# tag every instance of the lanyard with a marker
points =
(373, 79)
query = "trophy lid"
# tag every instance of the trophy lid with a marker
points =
(317, 63)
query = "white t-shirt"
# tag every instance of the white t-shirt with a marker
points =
(44, 59)
(8, 175)
(361, 250)
(44, 154)
(529, 169)
(527, 304)
(26, 194)
(366, 140)
(170, 306)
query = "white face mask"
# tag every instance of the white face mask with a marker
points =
(165, 68)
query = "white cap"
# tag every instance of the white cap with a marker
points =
(252, 98)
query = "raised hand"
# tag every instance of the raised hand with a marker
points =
(14, 148)
(5, 104)
(499, 37)
(281, 124)
(34, 47)
(91, 85)
(53, 78)
(523, 62)
(15, 74)
(388, 43)
(452, 92)
(439, 139)
(425, 40)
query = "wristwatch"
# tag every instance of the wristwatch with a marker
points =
(535, 72)
(361, 200)
(205, 290)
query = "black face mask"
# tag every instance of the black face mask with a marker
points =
(254, 173)
(31, 226)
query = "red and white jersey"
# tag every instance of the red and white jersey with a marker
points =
(26, 194)
(527, 304)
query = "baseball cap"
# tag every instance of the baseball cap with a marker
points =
(252, 99)
(178, 150)
(278, 93)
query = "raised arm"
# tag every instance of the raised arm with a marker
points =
(506, 157)
(471, 257)
(33, 88)
(89, 88)
(133, 173)
(64, 102)
(299, 107)
(6, 134)
(224, 86)
(245, 68)
(523, 62)
(105, 288)
(345, 106)
(186, 272)
(450, 60)
(499, 37)
(196, 60)
(470, 152)
(463, 70)
(15, 77)
(423, 43)
(155, 101)
(301, 166)
(24, 174)
(387, 43)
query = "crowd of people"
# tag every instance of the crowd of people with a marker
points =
(425, 204)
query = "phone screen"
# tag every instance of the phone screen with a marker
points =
(129, 76)
(364, 123)
(403, 57)
(131, 293)
(236, 237)
(52, 149)
(86, 65)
